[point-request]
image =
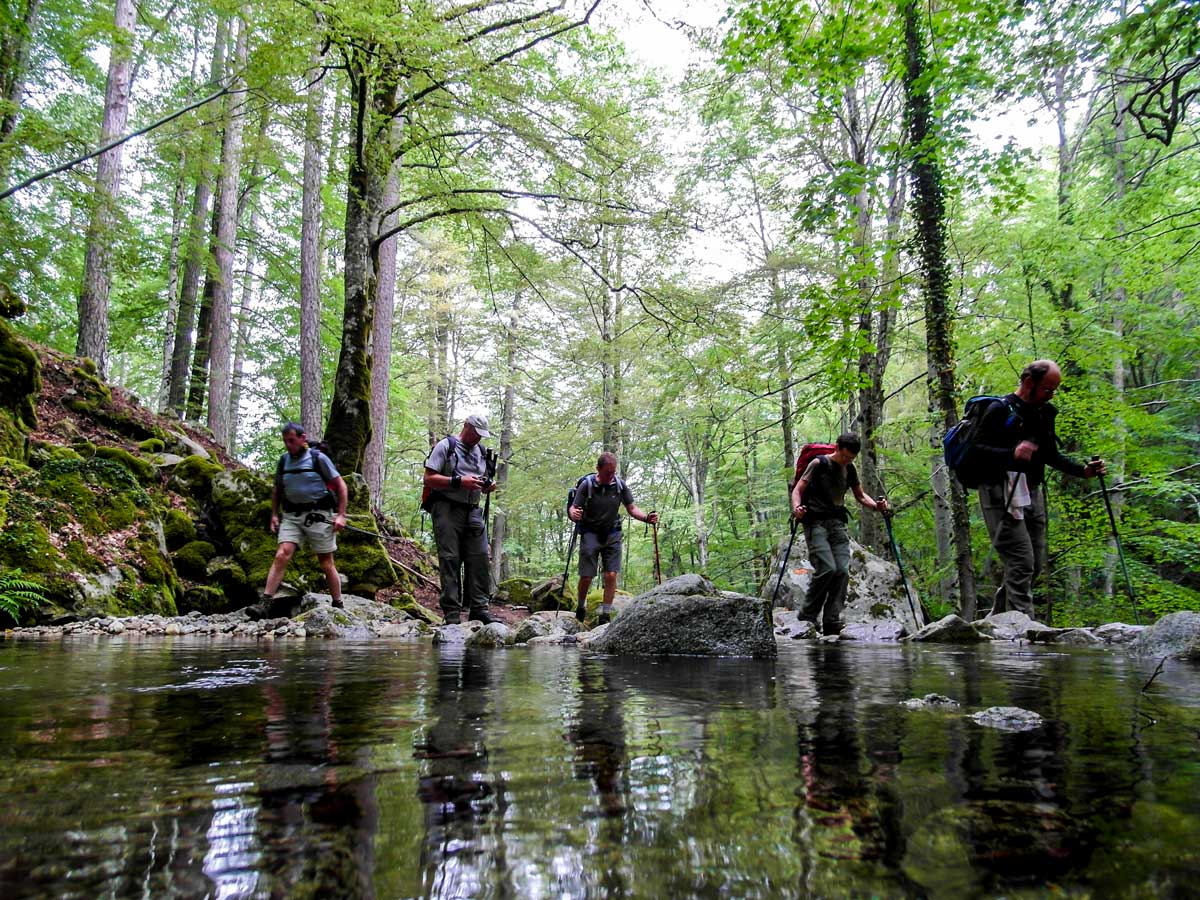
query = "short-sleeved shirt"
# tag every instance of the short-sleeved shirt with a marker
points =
(825, 496)
(304, 478)
(450, 456)
(602, 511)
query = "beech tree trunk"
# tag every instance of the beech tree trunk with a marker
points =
(92, 340)
(372, 99)
(507, 409)
(177, 215)
(311, 401)
(15, 44)
(929, 213)
(221, 380)
(197, 249)
(610, 364)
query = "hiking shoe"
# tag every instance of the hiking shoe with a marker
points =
(481, 615)
(603, 619)
(452, 618)
(337, 604)
(581, 612)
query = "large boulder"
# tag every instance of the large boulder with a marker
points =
(1176, 635)
(1119, 632)
(20, 383)
(1012, 626)
(875, 592)
(689, 616)
(949, 630)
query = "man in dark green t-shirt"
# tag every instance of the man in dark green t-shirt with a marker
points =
(819, 500)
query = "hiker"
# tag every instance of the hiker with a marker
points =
(819, 501)
(1015, 443)
(307, 485)
(456, 475)
(596, 512)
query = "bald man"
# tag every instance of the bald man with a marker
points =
(1016, 442)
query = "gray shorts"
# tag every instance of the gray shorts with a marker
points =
(319, 535)
(592, 545)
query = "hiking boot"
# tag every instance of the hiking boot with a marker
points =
(581, 612)
(337, 604)
(603, 619)
(452, 618)
(481, 615)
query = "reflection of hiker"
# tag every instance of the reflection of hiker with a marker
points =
(1015, 443)
(456, 476)
(596, 511)
(819, 501)
(305, 482)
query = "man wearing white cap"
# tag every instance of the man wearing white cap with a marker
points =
(456, 475)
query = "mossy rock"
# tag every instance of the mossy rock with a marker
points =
(142, 470)
(12, 305)
(103, 495)
(242, 502)
(153, 445)
(194, 477)
(206, 599)
(225, 572)
(191, 560)
(42, 452)
(20, 384)
(178, 528)
(518, 590)
(83, 448)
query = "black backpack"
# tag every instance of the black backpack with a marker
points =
(959, 441)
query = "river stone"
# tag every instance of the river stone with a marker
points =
(559, 621)
(681, 586)
(1079, 637)
(552, 639)
(360, 609)
(494, 634)
(930, 701)
(1007, 718)
(1119, 632)
(532, 628)
(789, 625)
(950, 629)
(875, 590)
(1176, 635)
(452, 634)
(587, 638)
(1010, 626)
(879, 631)
(694, 624)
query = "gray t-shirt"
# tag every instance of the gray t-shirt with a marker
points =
(825, 496)
(602, 512)
(304, 478)
(460, 461)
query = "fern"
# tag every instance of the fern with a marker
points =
(18, 594)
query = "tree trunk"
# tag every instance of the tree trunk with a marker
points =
(92, 340)
(374, 466)
(311, 402)
(15, 44)
(1119, 300)
(930, 221)
(243, 330)
(349, 429)
(177, 215)
(221, 380)
(197, 250)
(507, 409)
(610, 404)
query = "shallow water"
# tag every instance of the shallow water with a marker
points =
(188, 768)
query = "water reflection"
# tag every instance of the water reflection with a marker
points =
(191, 770)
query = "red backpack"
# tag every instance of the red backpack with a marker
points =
(808, 453)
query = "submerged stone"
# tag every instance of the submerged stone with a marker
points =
(950, 629)
(880, 631)
(1008, 718)
(930, 701)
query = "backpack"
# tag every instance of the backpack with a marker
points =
(326, 502)
(961, 438)
(808, 453)
(588, 481)
(428, 494)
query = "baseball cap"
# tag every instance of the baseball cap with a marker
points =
(480, 424)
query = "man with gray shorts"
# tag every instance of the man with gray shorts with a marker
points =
(596, 512)
(306, 483)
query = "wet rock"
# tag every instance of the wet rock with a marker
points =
(494, 634)
(554, 639)
(1011, 626)
(561, 621)
(1008, 718)
(533, 628)
(950, 629)
(452, 634)
(1079, 637)
(589, 638)
(879, 631)
(930, 701)
(701, 622)
(1176, 635)
(1117, 633)
(789, 625)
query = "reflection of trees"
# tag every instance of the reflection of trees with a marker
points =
(458, 793)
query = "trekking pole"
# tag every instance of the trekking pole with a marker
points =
(562, 595)
(887, 522)
(657, 558)
(1112, 520)
(783, 568)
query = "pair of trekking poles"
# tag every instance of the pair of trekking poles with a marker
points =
(887, 521)
(571, 549)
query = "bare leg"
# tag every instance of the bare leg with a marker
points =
(331, 577)
(283, 556)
